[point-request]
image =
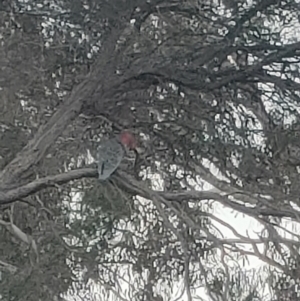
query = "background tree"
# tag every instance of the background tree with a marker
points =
(210, 89)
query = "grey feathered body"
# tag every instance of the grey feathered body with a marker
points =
(109, 156)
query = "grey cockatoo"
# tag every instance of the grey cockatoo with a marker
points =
(111, 152)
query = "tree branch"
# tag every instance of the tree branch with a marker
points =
(141, 189)
(95, 83)
(50, 181)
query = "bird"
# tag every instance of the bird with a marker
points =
(111, 152)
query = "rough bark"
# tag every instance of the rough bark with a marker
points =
(98, 82)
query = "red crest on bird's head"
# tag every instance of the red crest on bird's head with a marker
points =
(128, 140)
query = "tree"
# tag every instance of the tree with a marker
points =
(213, 92)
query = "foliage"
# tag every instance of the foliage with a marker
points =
(212, 92)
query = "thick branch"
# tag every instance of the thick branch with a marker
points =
(50, 181)
(138, 188)
(97, 82)
(36, 148)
